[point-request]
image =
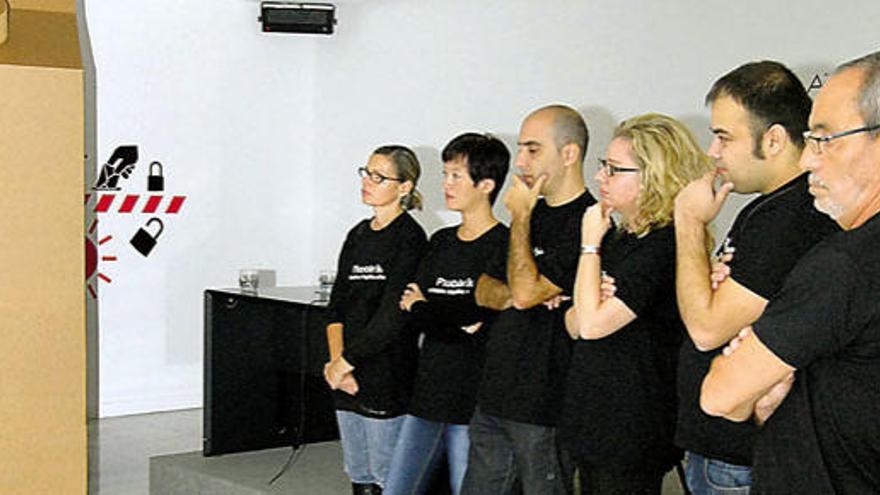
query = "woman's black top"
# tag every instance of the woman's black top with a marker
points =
(374, 266)
(451, 360)
(620, 401)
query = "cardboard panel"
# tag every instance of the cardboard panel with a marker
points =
(4, 21)
(39, 38)
(42, 308)
(68, 6)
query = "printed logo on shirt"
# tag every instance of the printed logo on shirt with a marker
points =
(367, 272)
(452, 287)
(536, 251)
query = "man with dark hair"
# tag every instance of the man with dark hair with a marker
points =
(512, 432)
(759, 87)
(758, 112)
(824, 324)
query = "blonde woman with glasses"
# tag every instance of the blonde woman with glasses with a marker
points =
(619, 415)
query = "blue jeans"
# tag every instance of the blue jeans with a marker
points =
(505, 454)
(367, 445)
(713, 477)
(420, 448)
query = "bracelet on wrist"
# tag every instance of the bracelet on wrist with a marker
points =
(590, 249)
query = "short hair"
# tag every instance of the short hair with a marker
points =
(669, 158)
(771, 94)
(869, 91)
(486, 157)
(569, 127)
(407, 167)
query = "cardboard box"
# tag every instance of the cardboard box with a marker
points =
(43, 433)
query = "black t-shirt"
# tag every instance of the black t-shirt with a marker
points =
(528, 351)
(825, 436)
(620, 395)
(374, 266)
(451, 360)
(770, 235)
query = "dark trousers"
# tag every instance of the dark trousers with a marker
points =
(618, 481)
(505, 455)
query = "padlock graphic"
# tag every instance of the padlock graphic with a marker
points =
(155, 182)
(143, 241)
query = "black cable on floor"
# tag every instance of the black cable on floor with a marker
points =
(295, 452)
(298, 446)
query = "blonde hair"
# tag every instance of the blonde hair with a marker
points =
(669, 158)
(406, 164)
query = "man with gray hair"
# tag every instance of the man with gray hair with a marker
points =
(824, 325)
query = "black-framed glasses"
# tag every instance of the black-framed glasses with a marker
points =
(610, 169)
(375, 177)
(817, 142)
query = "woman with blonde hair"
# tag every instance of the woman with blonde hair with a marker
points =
(372, 355)
(619, 414)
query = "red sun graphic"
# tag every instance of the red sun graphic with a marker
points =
(92, 259)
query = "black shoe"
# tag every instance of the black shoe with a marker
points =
(366, 489)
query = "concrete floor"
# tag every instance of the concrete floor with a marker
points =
(120, 450)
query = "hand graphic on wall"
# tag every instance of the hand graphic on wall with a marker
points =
(120, 164)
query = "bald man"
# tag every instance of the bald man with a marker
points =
(513, 429)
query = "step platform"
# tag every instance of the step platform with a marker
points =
(317, 471)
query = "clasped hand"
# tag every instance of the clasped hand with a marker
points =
(338, 375)
(766, 405)
(411, 294)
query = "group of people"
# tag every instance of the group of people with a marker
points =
(592, 345)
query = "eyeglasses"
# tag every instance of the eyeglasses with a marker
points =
(610, 170)
(817, 142)
(375, 177)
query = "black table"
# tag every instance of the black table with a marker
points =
(263, 375)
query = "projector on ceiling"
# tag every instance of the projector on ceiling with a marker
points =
(288, 17)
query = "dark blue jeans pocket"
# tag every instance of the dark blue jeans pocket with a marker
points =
(728, 478)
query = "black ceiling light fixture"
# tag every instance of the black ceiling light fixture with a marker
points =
(289, 17)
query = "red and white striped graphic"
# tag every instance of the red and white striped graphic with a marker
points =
(129, 203)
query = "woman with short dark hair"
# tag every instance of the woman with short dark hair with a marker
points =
(442, 304)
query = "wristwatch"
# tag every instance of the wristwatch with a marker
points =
(590, 249)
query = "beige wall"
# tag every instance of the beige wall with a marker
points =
(42, 310)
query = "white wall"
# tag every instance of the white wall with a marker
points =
(263, 133)
(228, 112)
